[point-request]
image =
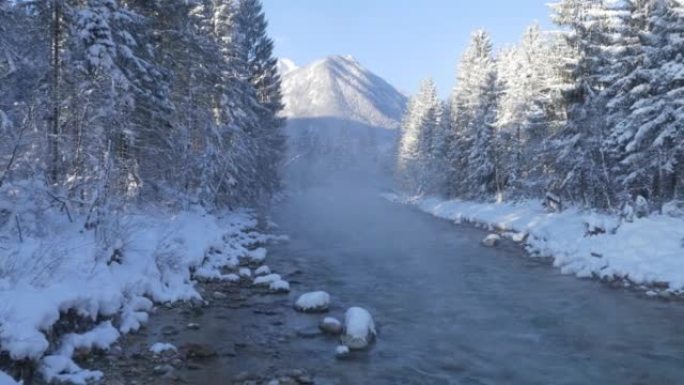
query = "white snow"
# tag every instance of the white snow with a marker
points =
(267, 280)
(359, 328)
(340, 87)
(262, 270)
(245, 272)
(257, 255)
(491, 240)
(315, 301)
(645, 251)
(279, 286)
(5, 379)
(286, 66)
(161, 347)
(342, 351)
(61, 369)
(57, 267)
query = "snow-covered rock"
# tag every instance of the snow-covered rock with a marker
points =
(266, 280)
(245, 273)
(313, 302)
(279, 286)
(257, 255)
(262, 270)
(342, 351)
(332, 326)
(359, 328)
(162, 347)
(491, 240)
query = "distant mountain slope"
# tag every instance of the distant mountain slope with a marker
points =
(340, 118)
(339, 87)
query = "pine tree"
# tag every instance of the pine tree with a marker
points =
(648, 139)
(257, 51)
(582, 168)
(415, 162)
(473, 108)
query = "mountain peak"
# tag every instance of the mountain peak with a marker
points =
(340, 87)
(286, 66)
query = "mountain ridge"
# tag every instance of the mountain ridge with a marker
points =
(340, 87)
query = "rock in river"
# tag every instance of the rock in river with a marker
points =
(313, 302)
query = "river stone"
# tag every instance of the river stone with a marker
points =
(342, 352)
(332, 326)
(219, 295)
(491, 240)
(279, 287)
(169, 330)
(197, 351)
(313, 302)
(359, 328)
(162, 369)
(193, 326)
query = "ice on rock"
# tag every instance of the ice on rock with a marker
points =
(161, 347)
(491, 240)
(262, 270)
(267, 280)
(313, 302)
(359, 328)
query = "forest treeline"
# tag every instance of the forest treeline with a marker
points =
(107, 102)
(592, 113)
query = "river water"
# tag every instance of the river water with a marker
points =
(450, 311)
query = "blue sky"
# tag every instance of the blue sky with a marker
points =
(403, 41)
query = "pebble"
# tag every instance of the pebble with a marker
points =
(331, 325)
(193, 326)
(169, 330)
(162, 369)
(342, 352)
(219, 295)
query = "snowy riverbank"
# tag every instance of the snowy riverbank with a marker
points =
(646, 252)
(65, 290)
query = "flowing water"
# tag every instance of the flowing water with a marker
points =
(448, 310)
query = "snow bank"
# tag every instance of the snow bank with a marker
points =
(53, 266)
(359, 328)
(317, 301)
(647, 251)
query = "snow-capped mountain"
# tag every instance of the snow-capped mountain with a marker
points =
(286, 66)
(340, 117)
(340, 87)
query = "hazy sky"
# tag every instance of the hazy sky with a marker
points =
(403, 41)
